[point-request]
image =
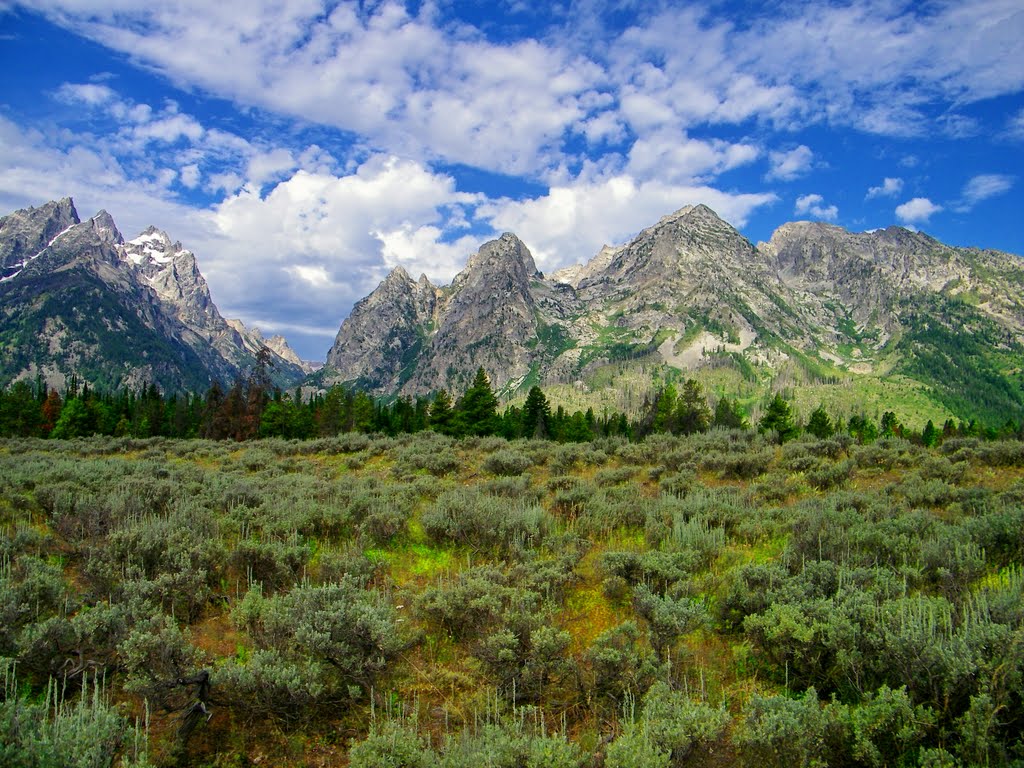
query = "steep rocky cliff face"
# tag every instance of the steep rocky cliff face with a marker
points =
(871, 274)
(25, 234)
(79, 300)
(411, 337)
(691, 292)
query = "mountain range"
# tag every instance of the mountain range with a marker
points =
(890, 313)
(816, 305)
(78, 300)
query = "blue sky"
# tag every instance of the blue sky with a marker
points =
(303, 148)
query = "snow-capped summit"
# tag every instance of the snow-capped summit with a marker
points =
(152, 247)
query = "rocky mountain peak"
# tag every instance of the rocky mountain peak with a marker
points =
(130, 312)
(279, 344)
(103, 225)
(508, 254)
(674, 216)
(398, 273)
(152, 249)
(576, 273)
(25, 234)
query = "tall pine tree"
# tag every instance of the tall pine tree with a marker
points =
(778, 418)
(536, 414)
(477, 411)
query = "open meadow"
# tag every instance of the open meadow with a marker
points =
(422, 600)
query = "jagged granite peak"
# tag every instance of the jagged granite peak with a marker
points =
(25, 234)
(172, 271)
(278, 344)
(824, 251)
(103, 225)
(412, 337)
(508, 254)
(691, 271)
(151, 250)
(255, 341)
(489, 318)
(382, 330)
(575, 274)
(871, 274)
(127, 314)
(678, 246)
(688, 292)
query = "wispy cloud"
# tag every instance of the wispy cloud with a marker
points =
(984, 186)
(890, 187)
(424, 85)
(1015, 126)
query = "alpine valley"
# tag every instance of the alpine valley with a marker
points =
(886, 319)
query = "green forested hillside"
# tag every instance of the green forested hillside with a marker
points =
(709, 600)
(71, 314)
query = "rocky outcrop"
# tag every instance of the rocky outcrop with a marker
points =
(869, 275)
(384, 333)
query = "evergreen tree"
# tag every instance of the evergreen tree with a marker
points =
(930, 435)
(692, 412)
(536, 414)
(441, 415)
(20, 411)
(820, 425)
(363, 412)
(233, 415)
(75, 421)
(665, 409)
(891, 426)
(257, 395)
(330, 411)
(213, 427)
(576, 429)
(778, 418)
(477, 411)
(728, 414)
(277, 419)
(862, 429)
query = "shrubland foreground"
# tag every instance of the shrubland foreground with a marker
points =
(420, 600)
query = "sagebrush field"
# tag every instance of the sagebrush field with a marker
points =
(423, 600)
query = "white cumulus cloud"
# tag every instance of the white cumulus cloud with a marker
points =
(786, 166)
(572, 222)
(917, 211)
(814, 205)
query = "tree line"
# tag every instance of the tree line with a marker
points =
(253, 408)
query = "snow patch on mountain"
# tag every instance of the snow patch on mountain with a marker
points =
(26, 262)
